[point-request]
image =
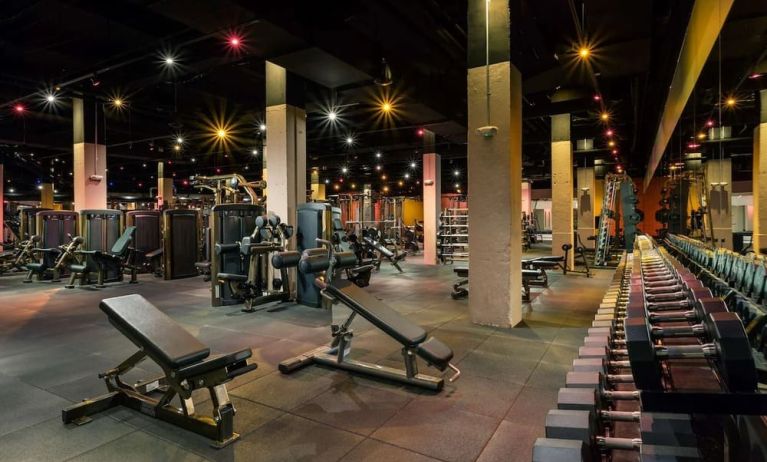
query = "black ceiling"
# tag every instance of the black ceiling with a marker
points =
(337, 47)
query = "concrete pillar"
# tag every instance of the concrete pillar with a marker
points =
(587, 206)
(368, 214)
(285, 150)
(527, 197)
(719, 176)
(432, 197)
(561, 185)
(315, 185)
(90, 155)
(165, 199)
(760, 177)
(46, 195)
(495, 169)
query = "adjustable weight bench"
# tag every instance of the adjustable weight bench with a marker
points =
(458, 290)
(411, 336)
(384, 252)
(187, 366)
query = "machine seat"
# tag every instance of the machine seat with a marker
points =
(167, 343)
(377, 313)
(528, 274)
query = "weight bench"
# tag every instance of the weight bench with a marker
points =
(384, 252)
(187, 365)
(411, 336)
(458, 290)
(530, 277)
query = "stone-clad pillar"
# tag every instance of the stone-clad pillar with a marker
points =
(719, 176)
(495, 168)
(760, 177)
(561, 185)
(90, 155)
(432, 197)
(285, 150)
(586, 196)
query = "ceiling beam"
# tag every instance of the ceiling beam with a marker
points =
(706, 21)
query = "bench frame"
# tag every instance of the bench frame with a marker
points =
(334, 355)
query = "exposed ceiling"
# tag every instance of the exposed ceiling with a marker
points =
(337, 48)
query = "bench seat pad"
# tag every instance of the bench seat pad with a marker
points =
(377, 313)
(166, 342)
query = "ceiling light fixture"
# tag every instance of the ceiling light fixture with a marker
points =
(384, 78)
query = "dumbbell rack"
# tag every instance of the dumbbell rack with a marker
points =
(606, 368)
(454, 235)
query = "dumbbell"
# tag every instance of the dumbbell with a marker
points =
(668, 436)
(699, 314)
(593, 399)
(728, 348)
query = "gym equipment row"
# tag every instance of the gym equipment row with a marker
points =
(661, 350)
(740, 280)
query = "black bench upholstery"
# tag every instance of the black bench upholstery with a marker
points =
(377, 313)
(163, 339)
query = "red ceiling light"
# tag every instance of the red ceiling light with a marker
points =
(693, 145)
(597, 97)
(709, 123)
(615, 152)
(609, 132)
(234, 41)
(19, 108)
(420, 132)
(755, 75)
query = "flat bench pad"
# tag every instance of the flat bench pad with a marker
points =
(377, 313)
(167, 343)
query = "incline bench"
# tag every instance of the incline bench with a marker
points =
(411, 336)
(187, 365)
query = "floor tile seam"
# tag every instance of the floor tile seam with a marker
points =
(484, 446)
(134, 430)
(405, 449)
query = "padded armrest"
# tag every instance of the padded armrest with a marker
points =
(166, 342)
(154, 253)
(377, 313)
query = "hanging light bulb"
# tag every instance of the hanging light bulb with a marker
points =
(384, 78)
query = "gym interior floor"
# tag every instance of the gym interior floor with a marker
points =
(54, 341)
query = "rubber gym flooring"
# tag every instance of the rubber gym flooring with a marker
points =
(54, 342)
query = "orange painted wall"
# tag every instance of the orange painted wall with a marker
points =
(649, 203)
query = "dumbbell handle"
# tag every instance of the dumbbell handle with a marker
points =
(674, 316)
(694, 330)
(620, 416)
(665, 297)
(609, 442)
(619, 378)
(686, 351)
(664, 289)
(620, 395)
(669, 305)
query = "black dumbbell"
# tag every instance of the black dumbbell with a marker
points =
(666, 435)
(728, 348)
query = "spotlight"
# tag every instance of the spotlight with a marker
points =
(386, 106)
(701, 136)
(755, 75)
(332, 116)
(169, 61)
(354, 186)
(344, 170)
(50, 97)
(336, 187)
(180, 140)
(327, 181)
(457, 185)
(709, 123)
(412, 164)
(349, 140)
(609, 132)
(584, 52)
(420, 132)
(117, 102)
(177, 147)
(597, 97)
(385, 189)
(456, 173)
(378, 167)
(400, 183)
(254, 152)
(611, 143)
(221, 133)
(383, 177)
(234, 41)
(730, 102)
(378, 155)
(615, 152)
(604, 116)
(19, 108)
(193, 160)
(407, 176)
